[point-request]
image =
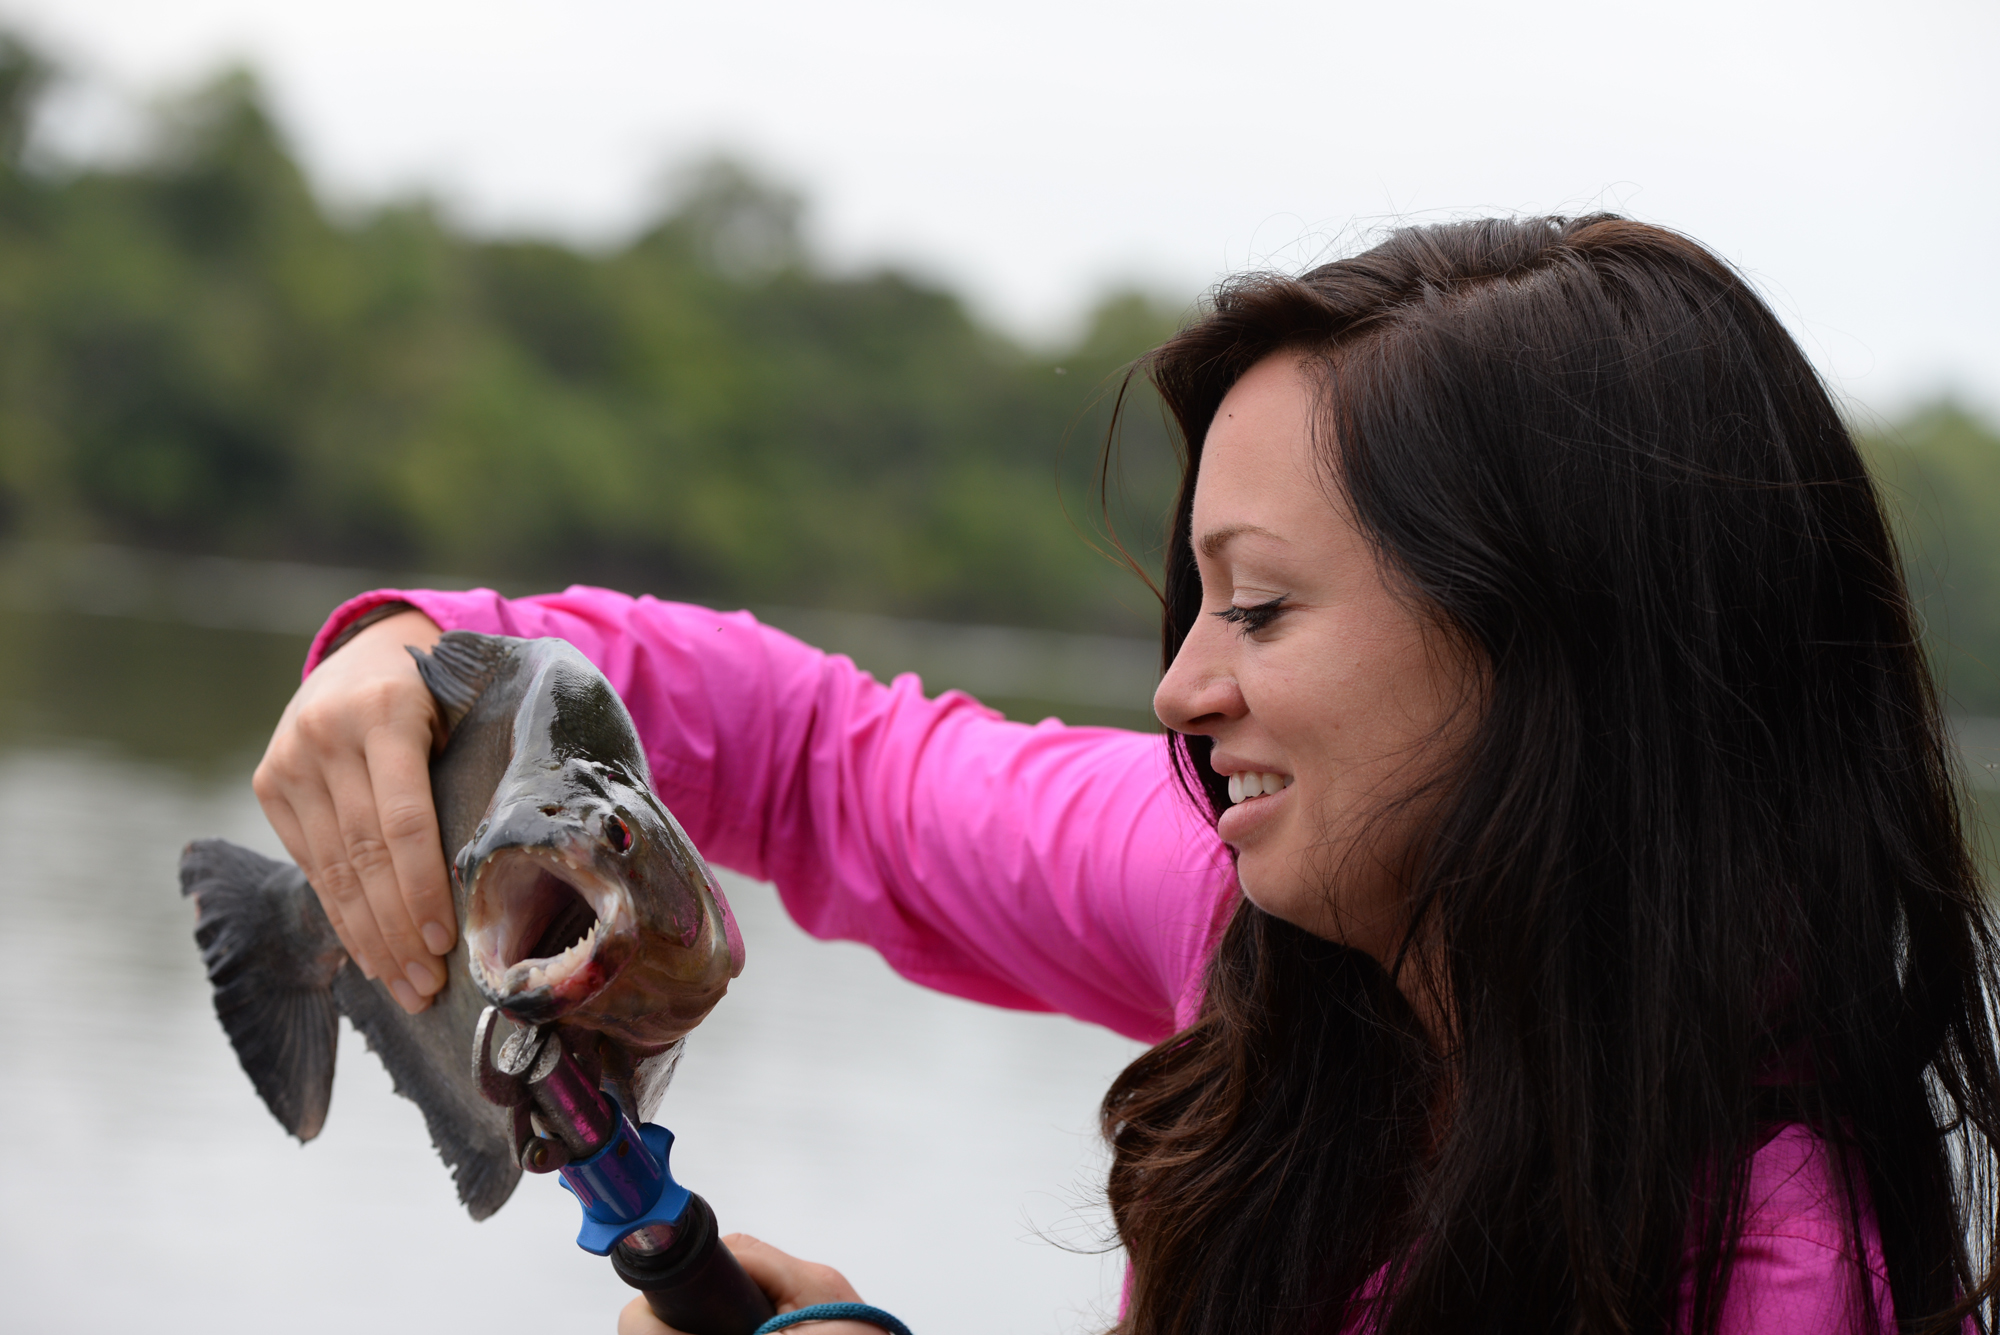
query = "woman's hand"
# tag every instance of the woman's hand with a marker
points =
(346, 784)
(786, 1280)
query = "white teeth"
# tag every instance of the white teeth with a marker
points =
(1256, 783)
(576, 954)
(555, 970)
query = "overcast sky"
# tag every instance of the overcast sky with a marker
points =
(1031, 153)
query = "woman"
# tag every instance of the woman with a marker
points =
(1578, 930)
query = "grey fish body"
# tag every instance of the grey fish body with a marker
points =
(580, 902)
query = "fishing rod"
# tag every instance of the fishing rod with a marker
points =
(662, 1238)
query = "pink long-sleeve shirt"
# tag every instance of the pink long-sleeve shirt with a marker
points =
(1041, 868)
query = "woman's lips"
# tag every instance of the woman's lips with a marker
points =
(1251, 814)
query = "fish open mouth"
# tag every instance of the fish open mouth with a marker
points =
(536, 920)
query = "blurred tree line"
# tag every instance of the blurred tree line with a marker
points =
(1940, 473)
(196, 355)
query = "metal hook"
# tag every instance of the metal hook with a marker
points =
(502, 1083)
(529, 1055)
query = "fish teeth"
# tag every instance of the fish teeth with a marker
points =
(558, 968)
(573, 958)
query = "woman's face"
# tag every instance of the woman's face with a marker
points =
(1325, 693)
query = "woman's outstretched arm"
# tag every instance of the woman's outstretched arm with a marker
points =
(1038, 867)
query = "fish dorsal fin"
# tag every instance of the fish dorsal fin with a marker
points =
(458, 668)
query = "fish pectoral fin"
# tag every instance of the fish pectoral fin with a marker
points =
(271, 957)
(458, 668)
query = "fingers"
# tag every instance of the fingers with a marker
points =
(278, 811)
(345, 784)
(359, 864)
(333, 879)
(638, 1319)
(303, 803)
(786, 1280)
(401, 779)
(790, 1282)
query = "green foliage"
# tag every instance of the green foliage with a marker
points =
(195, 355)
(23, 74)
(1940, 474)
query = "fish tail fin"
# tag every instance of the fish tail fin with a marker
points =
(271, 958)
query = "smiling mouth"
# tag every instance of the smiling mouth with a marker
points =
(536, 920)
(1243, 787)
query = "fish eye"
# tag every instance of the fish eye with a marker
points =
(615, 830)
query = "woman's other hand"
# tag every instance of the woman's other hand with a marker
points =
(786, 1280)
(346, 784)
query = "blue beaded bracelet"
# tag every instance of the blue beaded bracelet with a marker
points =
(874, 1316)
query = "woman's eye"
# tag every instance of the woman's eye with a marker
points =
(1255, 617)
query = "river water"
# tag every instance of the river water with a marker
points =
(942, 1154)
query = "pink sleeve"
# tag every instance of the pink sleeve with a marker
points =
(1042, 868)
(1796, 1268)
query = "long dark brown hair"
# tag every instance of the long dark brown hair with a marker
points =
(1700, 870)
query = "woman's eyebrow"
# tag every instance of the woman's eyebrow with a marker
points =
(1216, 539)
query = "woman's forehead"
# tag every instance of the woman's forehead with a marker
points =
(1259, 476)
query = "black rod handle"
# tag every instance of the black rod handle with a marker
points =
(695, 1285)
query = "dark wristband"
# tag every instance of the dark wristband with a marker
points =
(379, 612)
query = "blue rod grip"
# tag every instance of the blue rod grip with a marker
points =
(625, 1185)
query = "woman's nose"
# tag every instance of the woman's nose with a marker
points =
(1199, 692)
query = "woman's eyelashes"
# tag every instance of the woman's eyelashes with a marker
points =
(1254, 617)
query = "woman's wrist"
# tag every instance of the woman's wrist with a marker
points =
(374, 615)
(836, 1318)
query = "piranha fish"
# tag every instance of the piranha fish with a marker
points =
(581, 904)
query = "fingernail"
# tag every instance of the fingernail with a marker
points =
(438, 937)
(405, 996)
(423, 978)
